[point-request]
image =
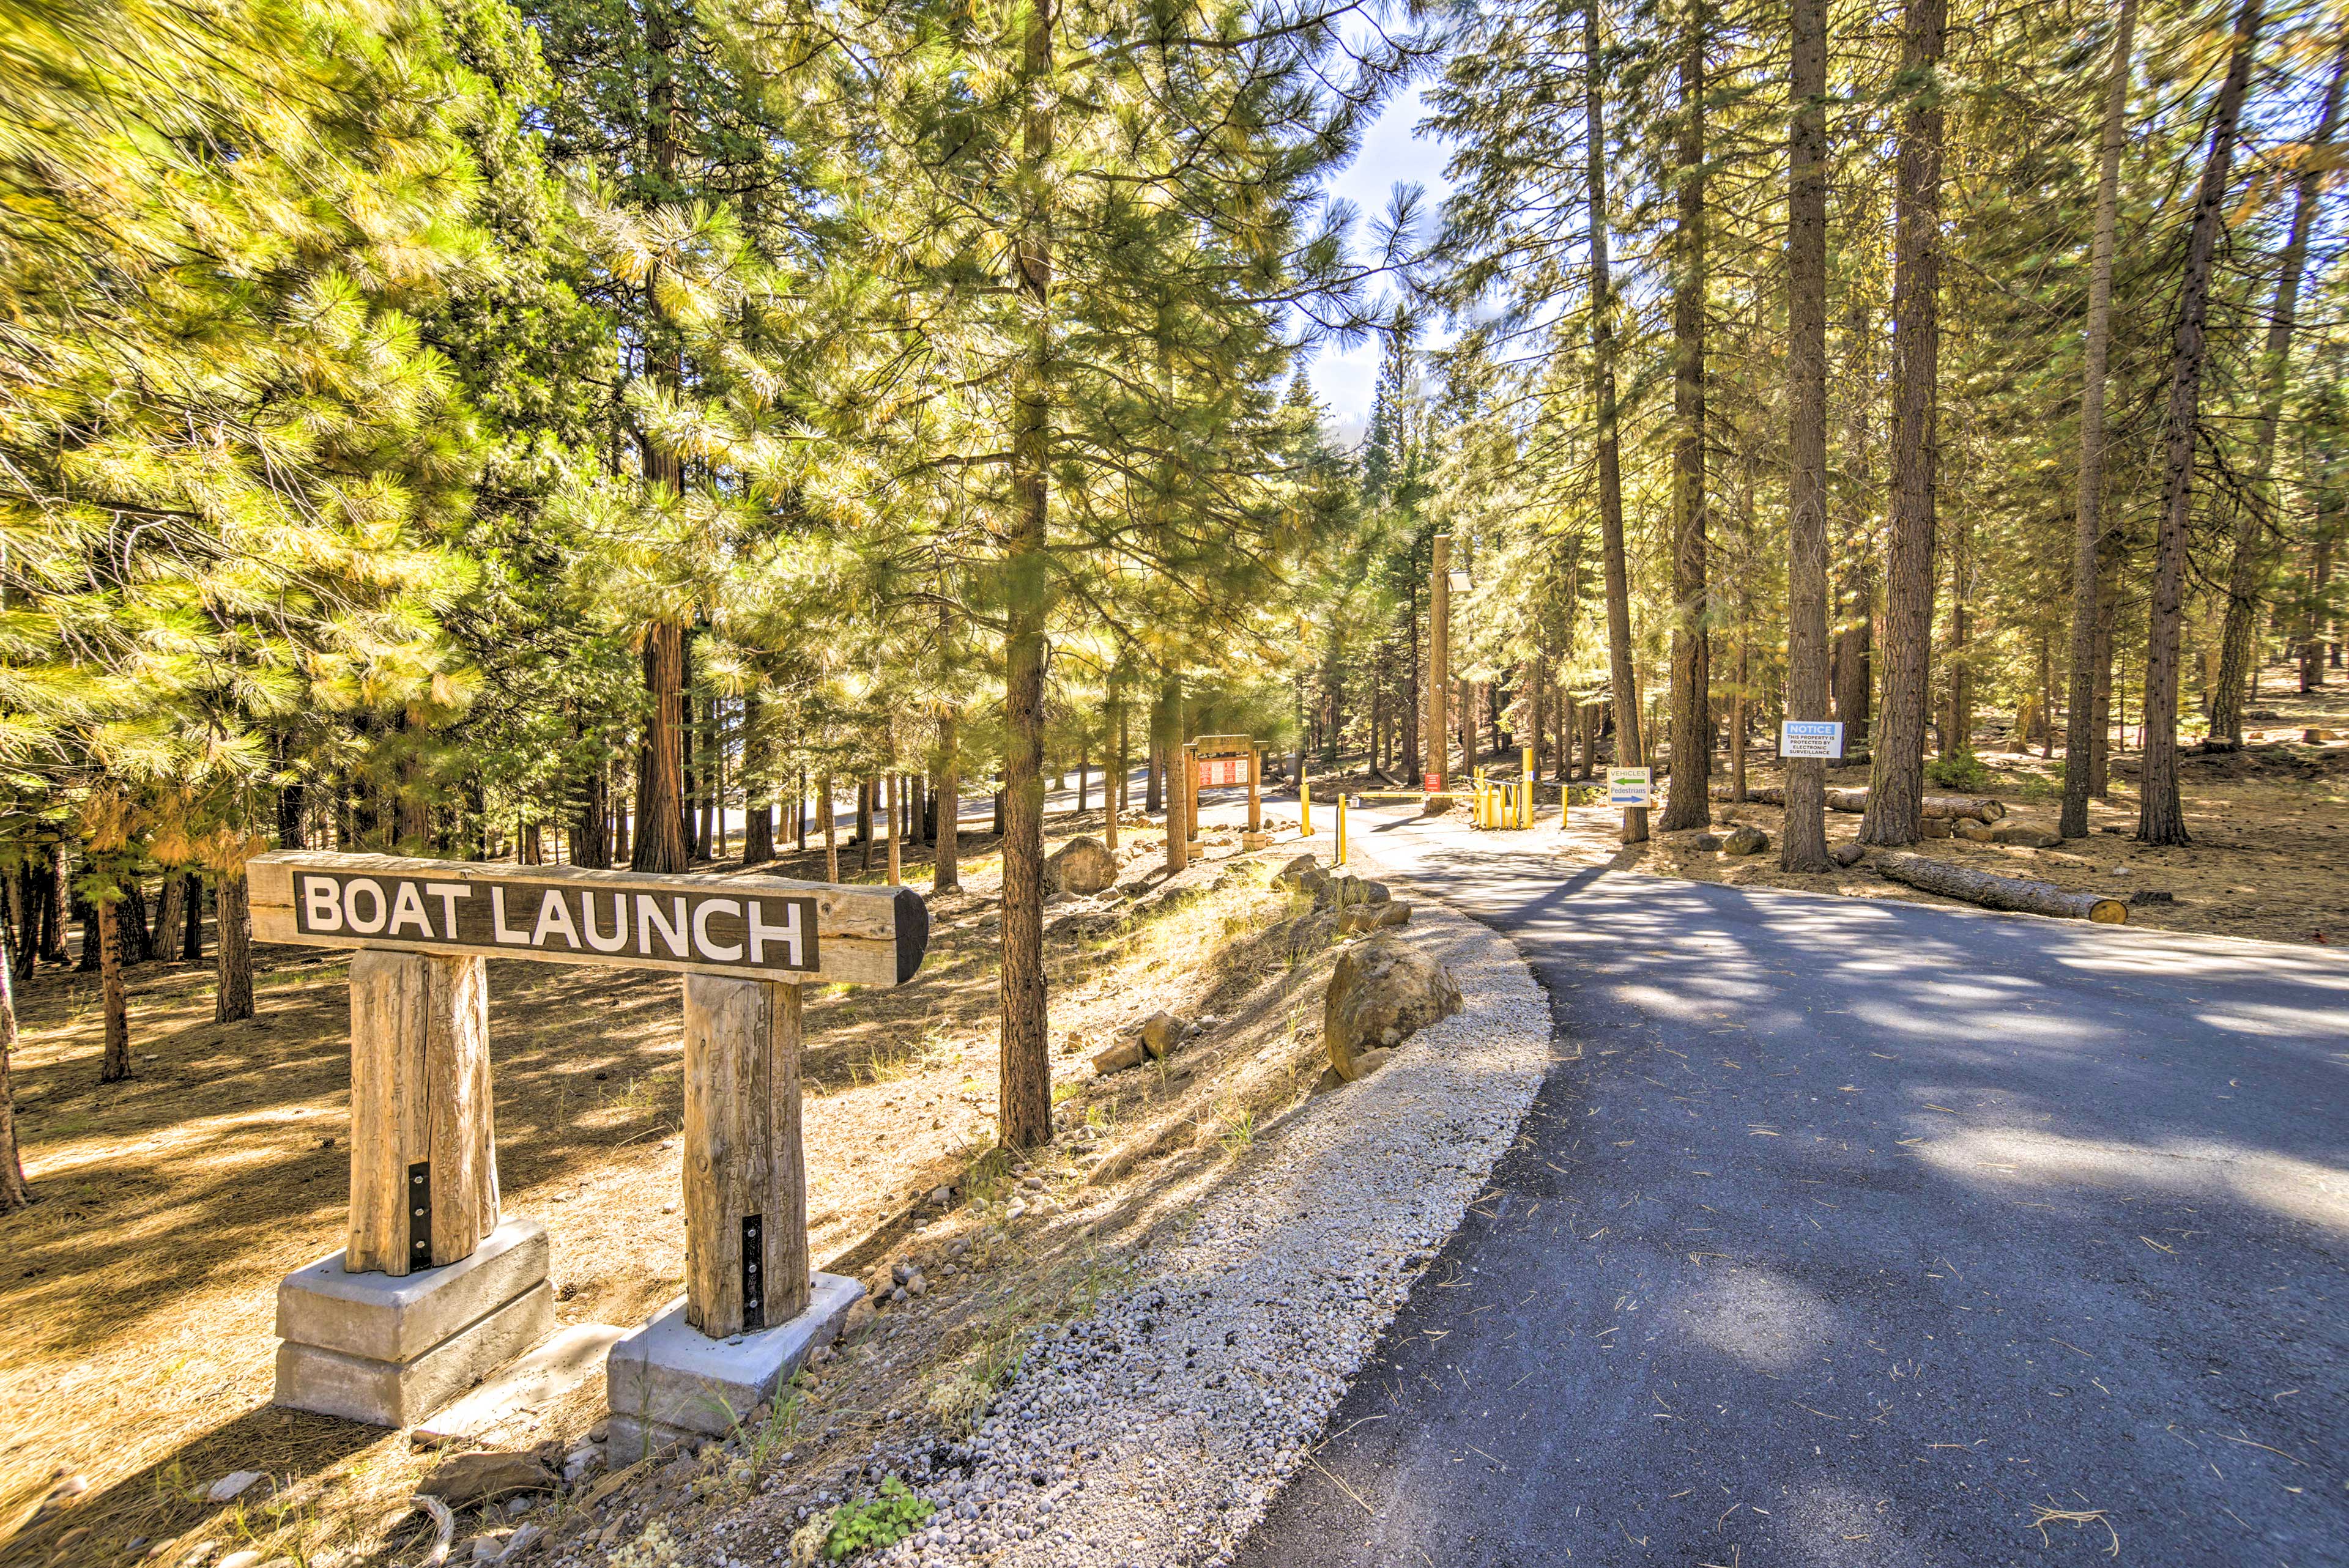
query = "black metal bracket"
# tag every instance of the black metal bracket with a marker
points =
(754, 1281)
(419, 1215)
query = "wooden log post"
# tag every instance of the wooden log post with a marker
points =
(2022, 895)
(745, 1257)
(424, 1164)
(1255, 790)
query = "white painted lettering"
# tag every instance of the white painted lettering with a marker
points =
(596, 939)
(730, 953)
(498, 926)
(788, 932)
(553, 920)
(373, 889)
(408, 909)
(449, 893)
(323, 899)
(648, 918)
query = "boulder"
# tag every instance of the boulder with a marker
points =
(1937, 827)
(1162, 1032)
(476, 1478)
(1373, 917)
(1975, 832)
(1083, 865)
(2021, 833)
(1117, 1058)
(1382, 992)
(1744, 839)
(1295, 874)
(1705, 841)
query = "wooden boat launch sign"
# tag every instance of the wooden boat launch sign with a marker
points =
(751, 927)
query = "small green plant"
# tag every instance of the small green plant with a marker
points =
(1236, 1127)
(1066, 1090)
(959, 1398)
(1101, 1115)
(1960, 770)
(882, 1519)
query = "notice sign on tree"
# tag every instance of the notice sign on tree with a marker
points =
(1629, 787)
(1810, 738)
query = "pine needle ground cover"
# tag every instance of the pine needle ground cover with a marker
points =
(143, 1281)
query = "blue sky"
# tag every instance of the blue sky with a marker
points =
(1393, 154)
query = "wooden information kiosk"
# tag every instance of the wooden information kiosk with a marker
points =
(432, 1290)
(1226, 762)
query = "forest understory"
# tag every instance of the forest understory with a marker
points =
(2270, 857)
(142, 1282)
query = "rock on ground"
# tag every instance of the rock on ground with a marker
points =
(1083, 865)
(1381, 993)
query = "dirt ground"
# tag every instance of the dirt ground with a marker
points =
(139, 1291)
(2269, 824)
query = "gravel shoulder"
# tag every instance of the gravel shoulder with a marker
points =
(1156, 1431)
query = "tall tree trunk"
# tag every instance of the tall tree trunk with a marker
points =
(1113, 786)
(867, 788)
(590, 845)
(799, 812)
(713, 779)
(1629, 752)
(116, 1065)
(14, 1193)
(897, 877)
(1896, 794)
(2319, 577)
(758, 790)
(831, 830)
(2256, 512)
(1689, 806)
(1803, 847)
(945, 863)
(660, 844)
(2087, 509)
(2161, 819)
(2100, 739)
(1855, 587)
(232, 990)
(1025, 1098)
(192, 940)
(1957, 735)
(1439, 657)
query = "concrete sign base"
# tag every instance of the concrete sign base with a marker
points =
(391, 1351)
(669, 1383)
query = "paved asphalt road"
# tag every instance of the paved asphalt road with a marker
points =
(1860, 1232)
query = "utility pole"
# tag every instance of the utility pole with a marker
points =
(1439, 664)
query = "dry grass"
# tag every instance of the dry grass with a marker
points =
(139, 1288)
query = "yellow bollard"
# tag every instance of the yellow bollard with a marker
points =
(1304, 800)
(1342, 827)
(1526, 811)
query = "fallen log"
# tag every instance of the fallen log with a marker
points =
(2019, 894)
(1937, 807)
